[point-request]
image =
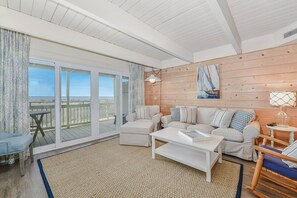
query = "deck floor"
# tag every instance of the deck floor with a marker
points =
(72, 133)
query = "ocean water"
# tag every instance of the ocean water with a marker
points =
(73, 98)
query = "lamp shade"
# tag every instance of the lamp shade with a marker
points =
(283, 98)
(152, 79)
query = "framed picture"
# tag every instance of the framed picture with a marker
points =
(208, 82)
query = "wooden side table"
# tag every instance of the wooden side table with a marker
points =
(290, 129)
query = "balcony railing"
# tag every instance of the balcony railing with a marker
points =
(76, 113)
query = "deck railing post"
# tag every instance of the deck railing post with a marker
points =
(68, 98)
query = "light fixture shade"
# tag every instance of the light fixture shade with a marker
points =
(283, 98)
(152, 79)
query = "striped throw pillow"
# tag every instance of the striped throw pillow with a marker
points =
(143, 112)
(222, 118)
(188, 115)
(291, 151)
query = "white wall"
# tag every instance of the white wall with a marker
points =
(47, 50)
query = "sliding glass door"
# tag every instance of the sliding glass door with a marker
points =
(75, 104)
(109, 118)
(42, 104)
(69, 105)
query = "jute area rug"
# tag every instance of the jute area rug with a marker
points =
(107, 169)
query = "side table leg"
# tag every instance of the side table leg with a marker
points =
(220, 153)
(291, 137)
(272, 136)
(153, 147)
(208, 166)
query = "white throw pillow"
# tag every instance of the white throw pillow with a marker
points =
(183, 114)
(291, 151)
(188, 115)
(222, 118)
(143, 112)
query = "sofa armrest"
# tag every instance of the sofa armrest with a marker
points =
(131, 117)
(165, 120)
(251, 131)
(157, 118)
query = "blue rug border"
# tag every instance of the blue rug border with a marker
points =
(239, 185)
(46, 184)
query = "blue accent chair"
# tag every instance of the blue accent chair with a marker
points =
(13, 143)
(271, 167)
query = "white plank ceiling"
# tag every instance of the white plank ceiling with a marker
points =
(189, 23)
(255, 18)
(52, 12)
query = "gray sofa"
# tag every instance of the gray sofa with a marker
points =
(236, 143)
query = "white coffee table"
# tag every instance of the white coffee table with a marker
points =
(200, 155)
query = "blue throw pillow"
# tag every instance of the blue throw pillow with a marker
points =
(175, 114)
(241, 119)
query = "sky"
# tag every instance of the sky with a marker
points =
(42, 83)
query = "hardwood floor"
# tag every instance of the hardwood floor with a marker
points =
(12, 185)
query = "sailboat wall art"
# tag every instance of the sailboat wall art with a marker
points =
(208, 82)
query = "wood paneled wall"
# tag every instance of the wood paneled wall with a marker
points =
(245, 82)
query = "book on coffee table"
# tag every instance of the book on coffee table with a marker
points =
(194, 136)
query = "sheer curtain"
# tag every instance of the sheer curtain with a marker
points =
(136, 86)
(14, 61)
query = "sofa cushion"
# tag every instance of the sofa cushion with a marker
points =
(205, 128)
(188, 115)
(222, 118)
(175, 114)
(229, 134)
(205, 115)
(180, 125)
(291, 151)
(241, 119)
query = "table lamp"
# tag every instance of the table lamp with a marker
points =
(282, 99)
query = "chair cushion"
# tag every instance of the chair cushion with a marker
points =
(138, 127)
(205, 115)
(19, 143)
(179, 125)
(291, 151)
(229, 134)
(175, 114)
(278, 166)
(205, 128)
(4, 135)
(241, 119)
(222, 118)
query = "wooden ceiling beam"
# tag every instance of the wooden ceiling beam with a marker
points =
(111, 15)
(221, 11)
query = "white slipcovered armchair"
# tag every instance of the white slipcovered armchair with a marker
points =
(146, 113)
